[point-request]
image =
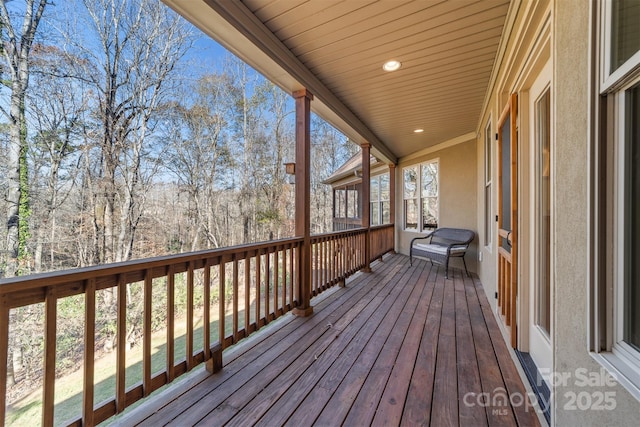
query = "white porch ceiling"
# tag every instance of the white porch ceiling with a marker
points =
(336, 50)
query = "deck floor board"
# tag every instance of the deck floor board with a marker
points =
(401, 345)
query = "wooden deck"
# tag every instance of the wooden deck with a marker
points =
(399, 345)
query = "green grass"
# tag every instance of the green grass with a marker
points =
(68, 389)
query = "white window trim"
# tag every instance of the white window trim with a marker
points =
(488, 184)
(624, 357)
(379, 200)
(405, 198)
(382, 200)
(611, 81)
(418, 196)
(621, 359)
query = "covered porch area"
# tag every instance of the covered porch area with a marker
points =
(401, 345)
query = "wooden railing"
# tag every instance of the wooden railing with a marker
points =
(336, 256)
(342, 224)
(239, 290)
(381, 239)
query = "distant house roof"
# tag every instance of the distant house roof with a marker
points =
(350, 168)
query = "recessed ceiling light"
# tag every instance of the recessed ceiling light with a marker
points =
(418, 131)
(392, 65)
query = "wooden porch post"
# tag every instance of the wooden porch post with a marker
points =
(366, 208)
(392, 200)
(303, 204)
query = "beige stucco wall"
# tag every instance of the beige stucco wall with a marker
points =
(570, 56)
(571, 80)
(457, 196)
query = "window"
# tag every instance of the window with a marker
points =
(616, 290)
(410, 196)
(341, 205)
(488, 229)
(630, 324)
(429, 186)
(375, 201)
(380, 200)
(543, 212)
(347, 202)
(620, 45)
(385, 199)
(625, 32)
(352, 202)
(420, 196)
(623, 338)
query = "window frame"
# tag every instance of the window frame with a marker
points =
(376, 182)
(384, 200)
(415, 198)
(619, 346)
(612, 79)
(419, 198)
(608, 285)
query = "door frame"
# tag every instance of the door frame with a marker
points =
(542, 81)
(508, 261)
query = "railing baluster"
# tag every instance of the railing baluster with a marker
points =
(330, 261)
(294, 275)
(190, 292)
(49, 376)
(291, 275)
(170, 324)
(327, 261)
(342, 255)
(316, 268)
(146, 332)
(247, 293)
(320, 264)
(267, 291)
(283, 254)
(235, 299)
(221, 301)
(206, 313)
(258, 277)
(341, 250)
(4, 354)
(121, 356)
(276, 266)
(352, 244)
(89, 351)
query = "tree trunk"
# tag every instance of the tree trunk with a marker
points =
(16, 51)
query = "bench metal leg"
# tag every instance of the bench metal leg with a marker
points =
(465, 267)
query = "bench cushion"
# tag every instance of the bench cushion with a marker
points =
(439, 249)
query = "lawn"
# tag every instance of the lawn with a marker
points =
(68, 389)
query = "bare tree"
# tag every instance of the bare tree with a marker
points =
(15, 47)
(57, 111)
(138, 44)
(271, 150)
(199, 158)
(247, 124)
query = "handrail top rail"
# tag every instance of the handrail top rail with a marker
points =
(351, 231)
(339, 233)
(96, 271)
(39, 280)
(379, 226)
